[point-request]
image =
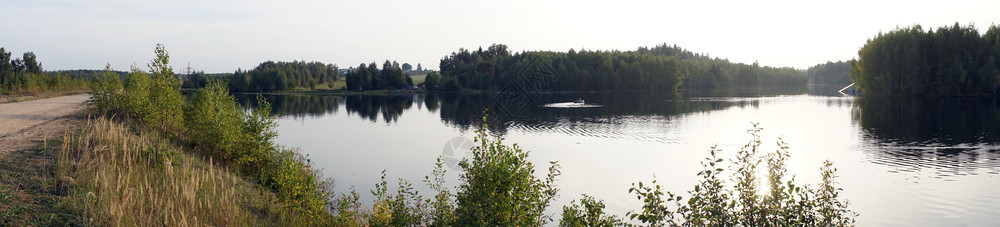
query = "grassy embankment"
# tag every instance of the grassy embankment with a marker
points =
(106, 172)
(164, 160)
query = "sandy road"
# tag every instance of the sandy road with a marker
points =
(22, 122)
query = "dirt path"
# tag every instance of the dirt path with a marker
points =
(24, 122)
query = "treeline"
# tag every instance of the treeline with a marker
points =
(949, 61)
(277, 76)
(25, 75)
(659, 68)
(830, 73)
(86, 73)
(370, 77)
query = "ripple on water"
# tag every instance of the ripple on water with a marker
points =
(641, 129)
(951, 182)
(571, 105)
(944, 161)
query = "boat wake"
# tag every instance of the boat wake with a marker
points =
(570, 105)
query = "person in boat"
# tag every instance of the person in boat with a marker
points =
(579, 100)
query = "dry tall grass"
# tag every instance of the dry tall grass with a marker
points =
(116, 177)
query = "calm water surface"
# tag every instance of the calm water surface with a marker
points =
(901, 162)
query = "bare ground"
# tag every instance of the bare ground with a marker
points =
(23, 123)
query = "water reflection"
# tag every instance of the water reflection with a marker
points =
(295, 105)
(951, 136)
(390, 107)
(369, 107)
(465, 110)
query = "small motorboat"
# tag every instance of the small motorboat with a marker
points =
(579, 101)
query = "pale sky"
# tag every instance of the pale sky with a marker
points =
(221, 36)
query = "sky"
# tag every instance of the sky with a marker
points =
(223, 35)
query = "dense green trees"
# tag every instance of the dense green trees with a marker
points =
(28, 64)
(432, 81)
(31, 65)
(660, 68)
(370, 77)
(949, 61)
(24, 75)
(277, 76)
(830, 73)
(197, 79)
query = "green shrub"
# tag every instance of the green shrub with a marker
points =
(155, 100)
(136, 98)
(258, 127)
(106, 91)
(499, 187)
(711, 204)
(589, 212)
(214, 122)
(405, 208)
(297, 185)
(442, 207)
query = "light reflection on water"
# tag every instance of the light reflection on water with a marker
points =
(910, 162)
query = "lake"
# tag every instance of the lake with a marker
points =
(901, 162)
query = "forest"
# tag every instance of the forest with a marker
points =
(662, 67)
(370, 77)
(949, 61)
(278, 76)
(25, 75)
(830, 73)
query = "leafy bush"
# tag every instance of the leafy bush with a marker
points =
(589, 212)
(712, 204)
(297, 184)
(136, 98)
(405, 208)
(213, 120)
(499, 187)
(155, 100)
(442, 207)
(106, 91)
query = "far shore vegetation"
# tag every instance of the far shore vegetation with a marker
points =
(834, 73)
(949, 61)
(23, 79)
(660, 68)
